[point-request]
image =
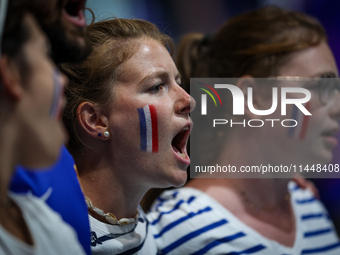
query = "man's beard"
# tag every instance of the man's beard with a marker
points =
(64, 49)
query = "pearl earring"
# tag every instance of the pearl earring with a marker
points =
(106, 134)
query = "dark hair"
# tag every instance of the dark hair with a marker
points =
(15, 34)
(49, 15)
(113, 43)
(252, 43)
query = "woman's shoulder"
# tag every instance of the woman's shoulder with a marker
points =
(49, 231)
(187, 220)
(35, 208)
(304, 198)
(186, 198)
(179, 205)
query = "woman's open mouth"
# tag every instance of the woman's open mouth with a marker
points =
(179, 144)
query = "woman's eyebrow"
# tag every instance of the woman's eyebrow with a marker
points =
(325, 74)
(155, 74)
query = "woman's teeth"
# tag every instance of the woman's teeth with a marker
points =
(182, 155)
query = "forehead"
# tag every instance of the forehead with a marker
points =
(150, 56)
(311, 62)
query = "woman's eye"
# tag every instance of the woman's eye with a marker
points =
(156, 88)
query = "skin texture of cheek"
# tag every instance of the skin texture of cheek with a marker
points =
(148, 128)
(300, 130)
(55, 107)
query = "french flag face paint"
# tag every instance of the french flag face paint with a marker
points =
(58, 90)
(300, 130)
(148, 128)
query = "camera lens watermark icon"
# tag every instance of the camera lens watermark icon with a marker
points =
(204, 97)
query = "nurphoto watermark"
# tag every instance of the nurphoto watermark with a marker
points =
(271, 127)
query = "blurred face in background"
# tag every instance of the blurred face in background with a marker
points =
(64, 23)
(41, 102)
(322, 126)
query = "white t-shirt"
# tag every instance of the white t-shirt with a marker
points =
(107, 239)
(50, 234)
(188, 221)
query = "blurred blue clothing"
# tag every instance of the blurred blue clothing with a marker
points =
(60, 187)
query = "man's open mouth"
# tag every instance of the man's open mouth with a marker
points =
(74, 12)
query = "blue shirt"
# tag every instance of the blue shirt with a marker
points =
(60, 185)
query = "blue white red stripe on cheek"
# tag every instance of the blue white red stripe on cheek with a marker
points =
(148, 128)
(300, 130)
(56, 94)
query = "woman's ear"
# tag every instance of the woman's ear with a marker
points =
(10, 79)
(93, 121)
(244, 83)
(256, 100)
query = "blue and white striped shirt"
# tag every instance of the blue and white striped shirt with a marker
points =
(107, 239)
(187, 221)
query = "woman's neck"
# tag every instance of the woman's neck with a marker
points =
(256, 193)
(263, 194)
(108, 190)
(243, 148)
